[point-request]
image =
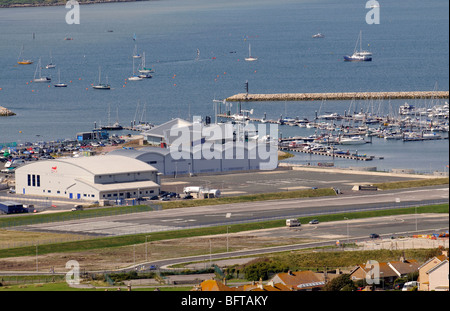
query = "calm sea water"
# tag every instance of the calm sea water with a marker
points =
(410, 47)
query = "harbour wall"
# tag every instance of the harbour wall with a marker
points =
(338, 96)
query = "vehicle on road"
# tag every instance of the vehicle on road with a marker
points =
(293, 223)
(410, 285)
(77, 208)
(374, 236)
(314, 222)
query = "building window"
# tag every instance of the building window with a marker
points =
(29, 180)
(38, 180)
(34, 180)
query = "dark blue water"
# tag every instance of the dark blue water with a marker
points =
(410, 47)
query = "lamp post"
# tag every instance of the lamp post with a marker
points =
(146, 252)
(347, 230)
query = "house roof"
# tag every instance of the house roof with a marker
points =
(300, 279)
(439, 258)
(213, 285)
(405, 267)
(392, 268)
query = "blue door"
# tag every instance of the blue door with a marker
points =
(70, 195)
(78, 196)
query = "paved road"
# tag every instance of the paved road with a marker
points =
(174, 219)
(327, 234)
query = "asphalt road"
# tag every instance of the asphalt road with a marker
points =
(183, 218)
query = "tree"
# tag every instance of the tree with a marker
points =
(340, 283)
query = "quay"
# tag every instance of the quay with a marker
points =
(334, 155)
(338, 96)
(4, 112)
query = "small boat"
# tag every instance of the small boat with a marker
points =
(23, 61)
(355, 140)
(59, 84)
(142, 68)
(134, 77)
(135, 53)
(361, 55)
(50, 65)
(145, 76)
(250, 58)
(318, 35)
(101, 86)
(40, 78)
(112, 127)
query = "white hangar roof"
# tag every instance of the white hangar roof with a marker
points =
(101, 165)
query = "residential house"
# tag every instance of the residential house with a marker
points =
(428, 269)
(387, 271)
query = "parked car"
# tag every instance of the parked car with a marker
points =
(374, 236)
(155, 197)
(165, 199)
(188, 197)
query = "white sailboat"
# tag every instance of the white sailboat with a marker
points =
(59, 84)
(250, 58)
(134, 77)
(361, 55)
(135, 53)
(101, 86)
(38, 75)
(142, 68)
(50, 65)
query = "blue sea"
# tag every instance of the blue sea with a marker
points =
(410, 49)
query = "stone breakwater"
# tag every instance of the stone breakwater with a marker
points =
(338, 96)
(6, 112)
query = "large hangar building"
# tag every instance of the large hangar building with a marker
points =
(105, 177)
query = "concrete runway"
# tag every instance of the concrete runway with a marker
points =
(283, 180)
(184, 218)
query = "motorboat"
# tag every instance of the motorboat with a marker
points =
(318, 35)
(354, 140)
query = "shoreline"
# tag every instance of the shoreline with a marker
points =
(30, 5)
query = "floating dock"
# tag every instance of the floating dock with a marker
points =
(334, 155)
(338, 96)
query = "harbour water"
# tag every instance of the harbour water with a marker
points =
(409, 46)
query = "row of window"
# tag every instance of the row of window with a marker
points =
(34, 180)
(109, 195)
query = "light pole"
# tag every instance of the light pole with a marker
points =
(227, 237)
(347, 230)
(146, 252)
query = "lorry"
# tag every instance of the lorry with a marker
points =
(293, 222)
